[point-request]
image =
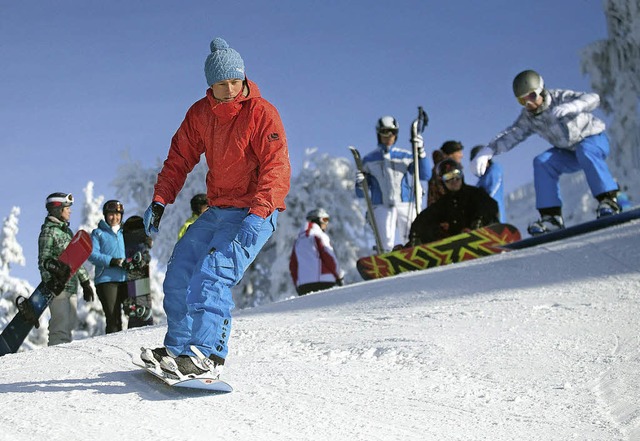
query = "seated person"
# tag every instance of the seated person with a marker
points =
(462, 207)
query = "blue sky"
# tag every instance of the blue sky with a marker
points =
(83, 82)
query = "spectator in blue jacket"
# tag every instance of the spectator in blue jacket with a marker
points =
(389, 174)
(492, 181)
(108, 256)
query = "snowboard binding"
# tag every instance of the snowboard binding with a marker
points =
(26, 309)
(133, 309)
(60, 274)
(138, 261)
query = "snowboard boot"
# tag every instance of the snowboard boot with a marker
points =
(186, 366)
(546, 224)
(153, 357)
(608, 207)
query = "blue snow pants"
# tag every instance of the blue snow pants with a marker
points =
(205, 263)
(589, 156)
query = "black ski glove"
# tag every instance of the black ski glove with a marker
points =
(151, 218)
(477, 223)
(87, 291)
(116, 262)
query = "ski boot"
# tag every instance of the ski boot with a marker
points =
(546, 224)
(608, 207)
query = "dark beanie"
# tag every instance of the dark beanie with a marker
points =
(450, 147)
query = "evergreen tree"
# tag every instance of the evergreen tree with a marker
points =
(614, 68)
(12, 287)
(91, 320)
(325, 182)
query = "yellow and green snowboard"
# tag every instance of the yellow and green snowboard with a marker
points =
(482, 242)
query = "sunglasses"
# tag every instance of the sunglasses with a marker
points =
(451, 176)
(388, 132)
(113, 207)
(531, 96)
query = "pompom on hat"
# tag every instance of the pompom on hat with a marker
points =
(223, 63)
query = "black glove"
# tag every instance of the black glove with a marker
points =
(476, 224)
(151, 218)
(87, 291)
(116, 262)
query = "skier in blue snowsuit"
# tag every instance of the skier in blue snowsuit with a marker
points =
(564, 119)
(389, 173)
(245, 147)
(492, 182)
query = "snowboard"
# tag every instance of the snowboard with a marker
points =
(210, 384)
(575, 230)
(30, 309)
(137, 244)
(484, 241)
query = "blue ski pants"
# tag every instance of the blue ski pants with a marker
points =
(205, 264)
(589, 156)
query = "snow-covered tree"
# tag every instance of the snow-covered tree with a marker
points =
(91, 319)
(12, 287)
(613, 66)
(325, 182)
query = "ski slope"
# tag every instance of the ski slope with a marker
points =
(536, 344)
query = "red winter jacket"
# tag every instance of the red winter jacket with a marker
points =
(245, 147)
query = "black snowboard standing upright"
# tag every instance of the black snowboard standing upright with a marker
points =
(137, 244)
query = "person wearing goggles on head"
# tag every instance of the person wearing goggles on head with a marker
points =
(578, 139)
(55, 235)
(108, 256)
(449, 149)
(313, 263)
(389, 174)
(462, 207)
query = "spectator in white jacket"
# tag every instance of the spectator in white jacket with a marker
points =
(313, 264)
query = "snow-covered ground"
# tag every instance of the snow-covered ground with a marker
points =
(537, 344)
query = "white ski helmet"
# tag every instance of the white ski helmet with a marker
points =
(317, 214)
(387, 123)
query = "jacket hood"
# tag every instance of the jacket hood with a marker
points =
(250, 90)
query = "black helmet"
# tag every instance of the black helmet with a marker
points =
(317, 215)
(197, 202)
(112, 206)
(58, 200)
(526, 82)
(449, 169)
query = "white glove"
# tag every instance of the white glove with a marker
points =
(481, 161)
(359, 178)
(564, 109)
(418, 141)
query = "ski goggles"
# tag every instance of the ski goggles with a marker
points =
(113, 207)
(451, 176)
(60, 201)
(531, 96)
(388, 132)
